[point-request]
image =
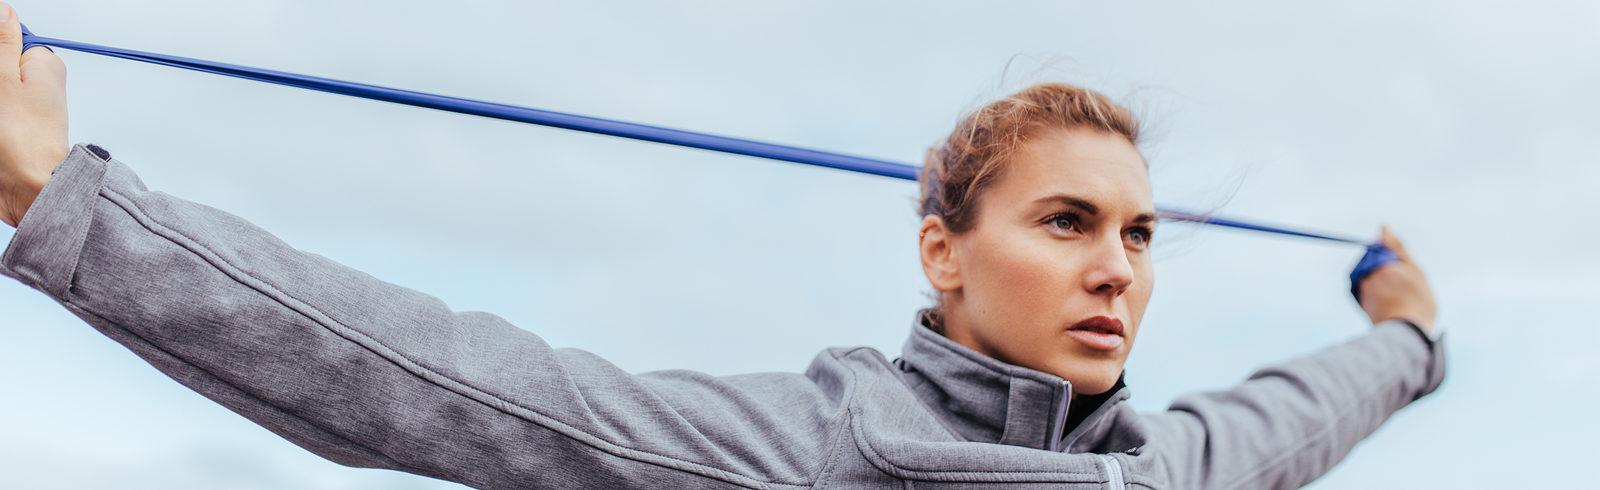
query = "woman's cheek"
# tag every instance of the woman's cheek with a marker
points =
(1035, 279)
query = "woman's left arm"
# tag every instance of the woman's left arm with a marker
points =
(1288, 424)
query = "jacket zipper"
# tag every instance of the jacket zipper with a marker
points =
(1058, 420)
(1113, 472)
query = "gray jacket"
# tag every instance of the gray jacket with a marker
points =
(369, 374)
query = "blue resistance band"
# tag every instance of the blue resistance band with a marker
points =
(1377, 255)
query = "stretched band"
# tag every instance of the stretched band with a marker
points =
(596, 125)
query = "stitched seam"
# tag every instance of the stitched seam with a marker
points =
(373, 452)
(417, 369)
(1320, 437)
(923, 380)
(834, 452)
(400, 360)
(844, 412)
(903, 472)
(83, 236)
(105, 173)
(873, 456)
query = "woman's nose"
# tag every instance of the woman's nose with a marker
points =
(1110, 272)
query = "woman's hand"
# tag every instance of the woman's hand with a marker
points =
(1398, 290)
(33, 118)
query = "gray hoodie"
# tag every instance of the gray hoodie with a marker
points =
(369, 374)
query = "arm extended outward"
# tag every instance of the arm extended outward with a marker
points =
(371, 374)
(355, 369)
(1290, 423)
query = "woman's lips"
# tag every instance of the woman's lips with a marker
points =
(1098, 333)
(1096, 340)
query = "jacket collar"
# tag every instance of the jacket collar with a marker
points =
(986, 400)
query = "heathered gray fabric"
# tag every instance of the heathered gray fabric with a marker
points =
(369, 374)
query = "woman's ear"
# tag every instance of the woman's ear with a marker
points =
(939, 260)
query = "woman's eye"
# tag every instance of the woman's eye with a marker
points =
(1064, 222)
(1140, 237)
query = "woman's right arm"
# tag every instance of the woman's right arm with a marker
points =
(364, 372)
(371, 374)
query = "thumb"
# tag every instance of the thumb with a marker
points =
(10, 42)
(1388, 238)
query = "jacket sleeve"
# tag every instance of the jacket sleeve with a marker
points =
(1288, 424)
(370, 374)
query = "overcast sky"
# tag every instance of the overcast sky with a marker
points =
(1469, 126)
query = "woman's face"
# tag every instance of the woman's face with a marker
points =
(1057, 259)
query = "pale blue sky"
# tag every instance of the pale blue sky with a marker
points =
(1469, 126)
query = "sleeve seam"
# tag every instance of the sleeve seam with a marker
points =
(383, 457)
(1320, 437)
(418, 369)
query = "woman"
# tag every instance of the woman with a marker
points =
(1037, 223)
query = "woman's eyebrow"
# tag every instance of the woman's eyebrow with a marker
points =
(1074, 201)
(1090, 209)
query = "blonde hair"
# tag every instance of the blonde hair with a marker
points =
(957, 171)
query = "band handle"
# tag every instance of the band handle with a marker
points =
(1376, 257)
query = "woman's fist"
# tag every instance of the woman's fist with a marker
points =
(33, 118)
(1398, 290)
